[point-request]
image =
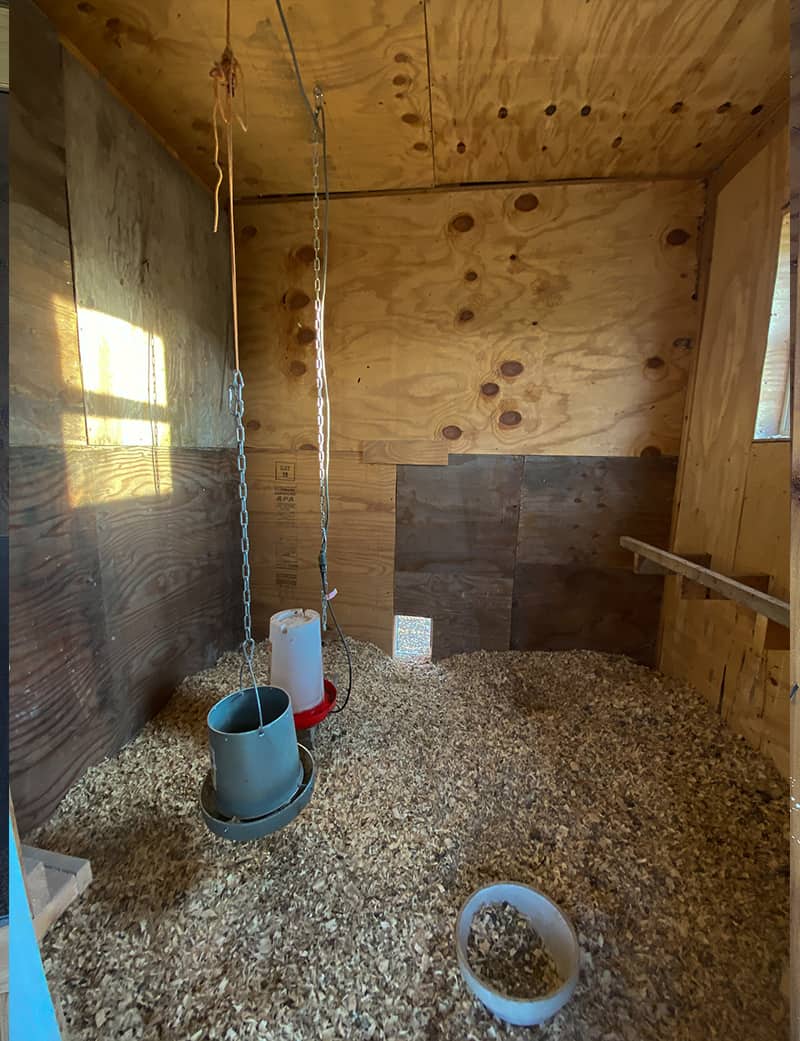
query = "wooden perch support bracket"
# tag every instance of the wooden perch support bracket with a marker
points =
(749, 590)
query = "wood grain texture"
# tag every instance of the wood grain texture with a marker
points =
(733, 498)
(565, 607)
(463, 519)
(570, 89)
(731, 355)
(550, 320)
(121, 583)
(574, 509)
(152, 281)
(44, 374)
(764, 533)
(454, 549)
(370, 59)
(419, 453)
(572, 586)
(285, 540)
(495, 70)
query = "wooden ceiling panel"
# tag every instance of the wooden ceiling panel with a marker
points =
(370, 58)
(600, 88)
(553, 90)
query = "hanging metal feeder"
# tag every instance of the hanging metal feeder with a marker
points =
(260, 778)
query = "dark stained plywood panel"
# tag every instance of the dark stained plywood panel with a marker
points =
(45, 373)
(575, 509)
(565, 607)
(459, 518)
(573, 584)
(506, 551)
(152, 281)
(468, 612)
(124, 578)
(454, 549)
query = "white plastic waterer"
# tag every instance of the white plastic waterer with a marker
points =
(296, 639)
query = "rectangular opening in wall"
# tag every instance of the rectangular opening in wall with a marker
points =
(412, 637)
(772, 421)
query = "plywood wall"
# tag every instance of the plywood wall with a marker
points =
(733, 498)
(551, 320)
(542, 321)
(123, 520)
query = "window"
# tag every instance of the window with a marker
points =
(412, 638)
(772, 420)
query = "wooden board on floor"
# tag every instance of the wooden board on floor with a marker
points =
(554, 320)
(565, 88)
(455, 543)
(53, 881)
(124, 579)
(45, 375)
(152, 281)
(285, 540)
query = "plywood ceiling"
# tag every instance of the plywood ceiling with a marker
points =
(450, 91)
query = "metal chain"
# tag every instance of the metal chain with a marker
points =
(236, 404)
(319, 316)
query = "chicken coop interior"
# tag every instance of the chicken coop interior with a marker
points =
(452, 339)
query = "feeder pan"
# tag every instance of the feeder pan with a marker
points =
(260, 777)
(557, 934)
(257, 827)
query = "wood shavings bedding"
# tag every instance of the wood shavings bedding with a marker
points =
(617, 792)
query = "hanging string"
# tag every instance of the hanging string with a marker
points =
(227, 77)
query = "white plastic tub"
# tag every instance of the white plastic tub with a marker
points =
(557, 934)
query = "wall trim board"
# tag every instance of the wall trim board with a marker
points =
(455, 188)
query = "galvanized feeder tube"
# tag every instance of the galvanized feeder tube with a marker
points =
(255, 769)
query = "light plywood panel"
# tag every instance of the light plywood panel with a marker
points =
(733, 492)
(567, 88)
(763, 543)
(152, 282)
(546, 320)
(716, 453)
(495, 67)
(370, 60)
(285, 540)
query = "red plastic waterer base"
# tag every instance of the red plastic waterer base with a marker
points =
(312, 716)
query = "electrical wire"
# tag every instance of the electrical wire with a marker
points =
(321, 133)
(299, 78)
(341, 705)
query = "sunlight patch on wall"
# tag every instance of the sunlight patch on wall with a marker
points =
(124, 381)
